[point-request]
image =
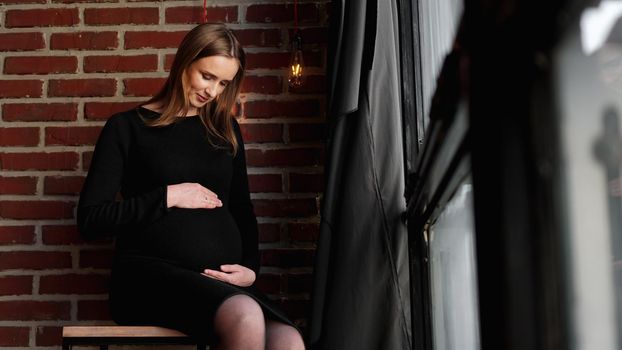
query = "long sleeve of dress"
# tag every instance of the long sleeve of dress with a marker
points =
(242, 209)
(99, 213)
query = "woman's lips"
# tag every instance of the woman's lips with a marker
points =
(201, 98)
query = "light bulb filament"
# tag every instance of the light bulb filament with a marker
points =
(296, 70)
(296, 64)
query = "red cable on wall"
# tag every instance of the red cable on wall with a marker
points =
(295, 16)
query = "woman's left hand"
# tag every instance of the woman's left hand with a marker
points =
(235, 274)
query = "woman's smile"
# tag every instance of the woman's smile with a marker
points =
(202, 99)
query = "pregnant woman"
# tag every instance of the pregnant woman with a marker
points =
(186, 253)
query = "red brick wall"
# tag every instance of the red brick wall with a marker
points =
(66, 66)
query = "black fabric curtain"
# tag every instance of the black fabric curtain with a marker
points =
(361, 296)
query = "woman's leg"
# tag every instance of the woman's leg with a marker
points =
(239, 324)
(281, 336)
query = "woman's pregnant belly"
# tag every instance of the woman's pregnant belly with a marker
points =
(195, 238)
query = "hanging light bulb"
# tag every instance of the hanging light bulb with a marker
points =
(296, 77)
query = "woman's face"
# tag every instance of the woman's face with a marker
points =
(207, 78)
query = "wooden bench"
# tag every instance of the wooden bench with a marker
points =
(124, 335)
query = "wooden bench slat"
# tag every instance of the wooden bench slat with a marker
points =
(119, 331)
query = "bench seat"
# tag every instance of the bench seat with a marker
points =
(103, 336)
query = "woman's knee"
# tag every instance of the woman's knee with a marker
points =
(283, 336)
(239, 312)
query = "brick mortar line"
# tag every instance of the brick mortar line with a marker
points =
(36, 283)
(170, 27)
(35, 198)
(66, 248)
(59, 99)
(80, 12)
(251, 170)
(14, 222)
(79, 116)
(38, 234)
(38, 190)
(84, 76)
(44, 323)
(92, 123)
(46, 348)
(81, 55)
(266, 270)
(121, 5)
(250, 97)
(283, 243)
(40, 247)
(71, 198)
(119, 88)
(242, 10)
(86, 148)
(285, 183)
(97, 122)
(162, 60)
(41, 137)
(73, 309)
(75, 258)
(84, 53)
(162, 13)
(32, 337)
(55, 297)
(79, 63)
(59, 271)
(41, 173)
(186, 3)
(49, 149)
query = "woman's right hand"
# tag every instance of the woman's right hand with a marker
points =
(191, 195)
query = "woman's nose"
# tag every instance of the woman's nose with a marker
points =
(210, 89)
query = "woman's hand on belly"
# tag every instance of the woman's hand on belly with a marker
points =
(235, 274)
(191, 195)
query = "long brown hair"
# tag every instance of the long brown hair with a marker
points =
(204, 40)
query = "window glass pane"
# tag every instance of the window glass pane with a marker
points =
(455, 320)
(588, 78)
(438, 23)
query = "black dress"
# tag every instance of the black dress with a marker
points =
(161, 251)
